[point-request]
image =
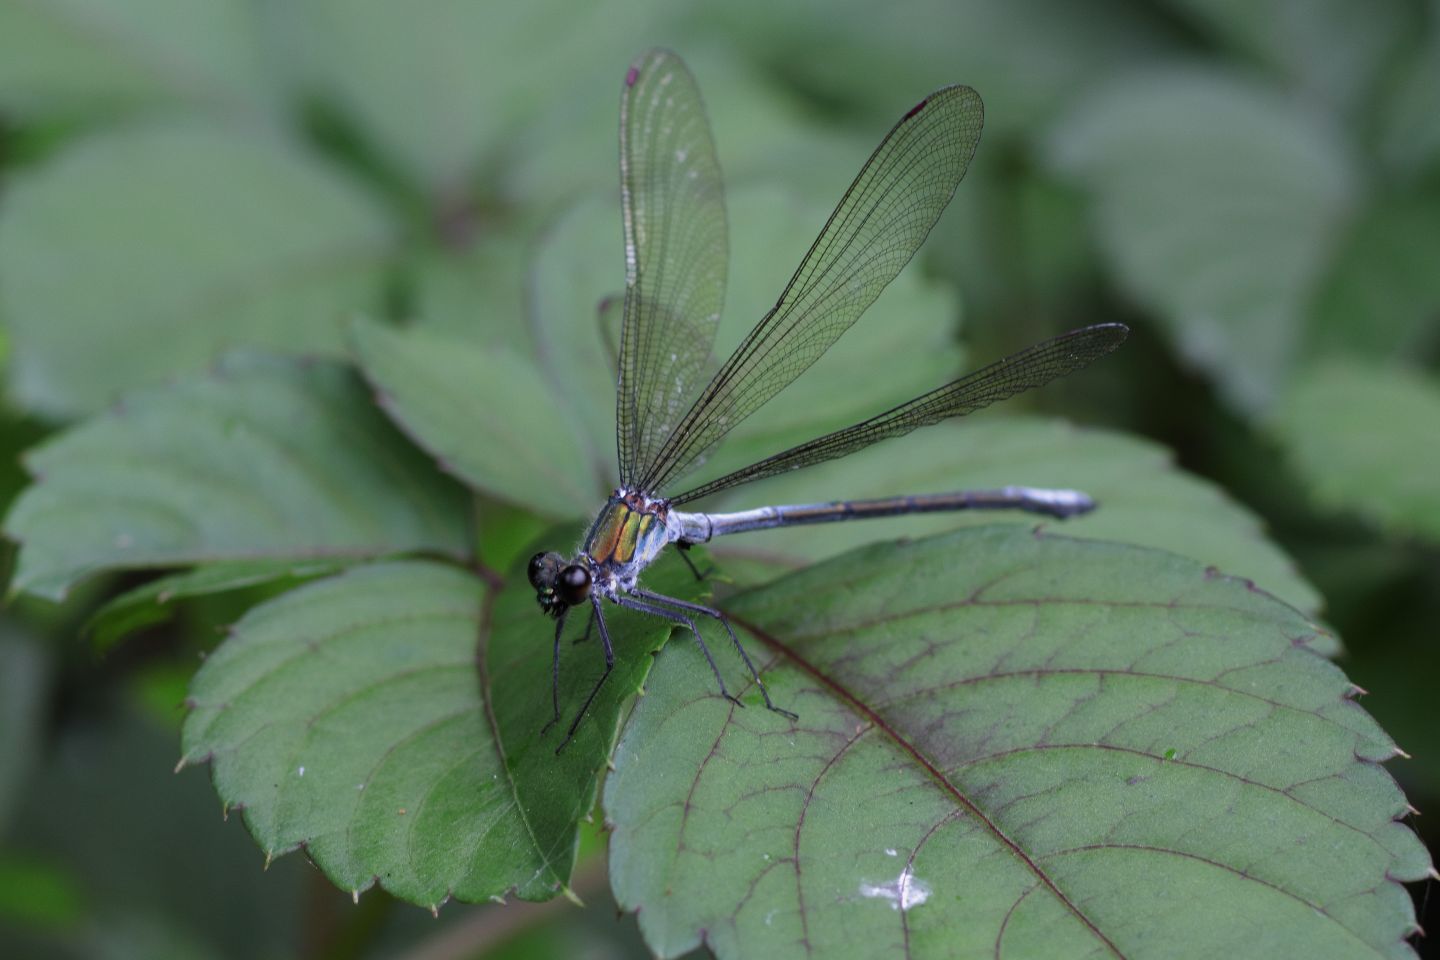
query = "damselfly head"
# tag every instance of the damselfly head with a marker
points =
(558, 585)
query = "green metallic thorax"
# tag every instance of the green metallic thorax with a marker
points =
(628, 532)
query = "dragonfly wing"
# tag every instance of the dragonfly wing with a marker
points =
(1032, 367)
(676, 253)
(878, 225)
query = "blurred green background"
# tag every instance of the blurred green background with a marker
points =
(1253, 186)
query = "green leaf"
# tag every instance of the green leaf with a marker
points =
(763, 130)
(1331, 50)
(1382, 292)
(1409, 123)
(486, 414)
(156, 602)
(1026, 59)
(265, 458)
(1009, 743)
(478, 293)
(143, 252)
(83, 56)
(437, 87)
(1217, 203)
(348, 717)
(1366, 440)
(38, 894)
(1143, 497)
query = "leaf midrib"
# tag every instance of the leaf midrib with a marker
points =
(879, 723)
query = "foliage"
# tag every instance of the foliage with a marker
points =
(309, 324)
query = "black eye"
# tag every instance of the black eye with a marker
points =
(542, 570)
(574, 584)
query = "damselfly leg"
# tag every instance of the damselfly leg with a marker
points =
(589, 628)
(740, 647)
(684, 550)
(598, 618)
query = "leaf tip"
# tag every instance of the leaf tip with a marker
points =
(1400, 753)
(572, 896)
(355, 896)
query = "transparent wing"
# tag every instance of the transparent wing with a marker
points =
(676, 252)
(1032, 367)
(879, 224)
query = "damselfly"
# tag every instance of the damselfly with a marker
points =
(670, 413)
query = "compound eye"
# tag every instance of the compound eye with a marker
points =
(542, 570)
(574, 585)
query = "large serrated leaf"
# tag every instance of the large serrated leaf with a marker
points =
(1366, 439)
(1217, 204)
(262, 458)
(1014, 745)
(348, 717)
(486, 414)
(144, 251)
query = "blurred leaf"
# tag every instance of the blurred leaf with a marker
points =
(1409, 122)
(487, 416)
(1332, 50)
(1026, 57)
(1144, 498)
(1367, 440)
(156, 602)
(476, 294)
(907, 333)
(1382, 296)
(1217, 203)
(93, 56)
(158, 690)
(23, 692)
(763, 131)
(265, 458)
(348, 717)
(141, 253)
(1050, 746)
(438, 87)
(37, 893)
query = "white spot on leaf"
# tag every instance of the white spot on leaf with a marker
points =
(904, 892)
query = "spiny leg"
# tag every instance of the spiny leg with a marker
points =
(589, 625)
(725, 621)
(684, 551)
(609, 665)
(555, 671)
(632, 604)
